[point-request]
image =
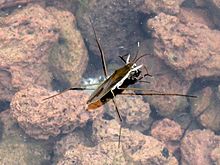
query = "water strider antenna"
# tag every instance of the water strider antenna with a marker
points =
(100, 50)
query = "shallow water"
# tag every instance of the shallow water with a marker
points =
(51, 45)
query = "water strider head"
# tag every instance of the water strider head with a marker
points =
(135, 70)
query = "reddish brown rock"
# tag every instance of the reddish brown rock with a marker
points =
(200, 3)
(215, 155)
(214, 8)
(68, 58)
(16, 147)
(206, 108)
(171, 7)
(218, 92)
(193, 53)
(136, 148)
(164, 80)
(12, 3)
(70, 142)
(26, 36)
(167, 131)
(35, 37)
(197, 16)
(202, 102)
(6, 89)
(168, 105)
(197, 146)
(105, 153)
(134, 111)
(42, 119)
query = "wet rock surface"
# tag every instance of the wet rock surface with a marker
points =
(195, 15)
(27, 35)
(33, 38)
(184, 49)
(12, 3)
(218, 92)
(134, 148)
(214, 8)
(197, 146)
(42, 119)
(168, 132)
(215, 155)
(68, 57)
(6, 89)
(16, 147)
(200, 3)
(106, 153)
(164, 80)
(70, 142)
(134, 111)
(171, 7)
(206, 108)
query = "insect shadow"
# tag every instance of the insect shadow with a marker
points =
(119, 81)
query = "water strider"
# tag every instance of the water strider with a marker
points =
(114, 84)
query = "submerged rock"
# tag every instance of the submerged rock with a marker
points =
(27, 35)
(70, 142)
(34, 38)
(136, 148)
(171, 7)
(197, 146)
(6, 89)
(206, 108)
(16, 147)
(195, 15)
(68, 58)
(42, 119)
(134, 111)
(165, 80)
(105, 153)
(218, 92)
(193, 53)
(168, 132)
(12, 3)
(215, 155)
(214, 8)
(200, 3)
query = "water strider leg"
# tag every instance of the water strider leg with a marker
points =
(120, 118)
(113, 99)
(143, 81)
(192, 118)
(122, 57)
(141, 77)
(119, 137)
(147, 74)
(106, 75)
(71, 88)
(153, 93)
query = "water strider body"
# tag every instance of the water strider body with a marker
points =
(121, 78)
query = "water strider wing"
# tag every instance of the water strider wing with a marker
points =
(107, 85)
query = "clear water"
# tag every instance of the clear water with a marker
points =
(14, 143)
